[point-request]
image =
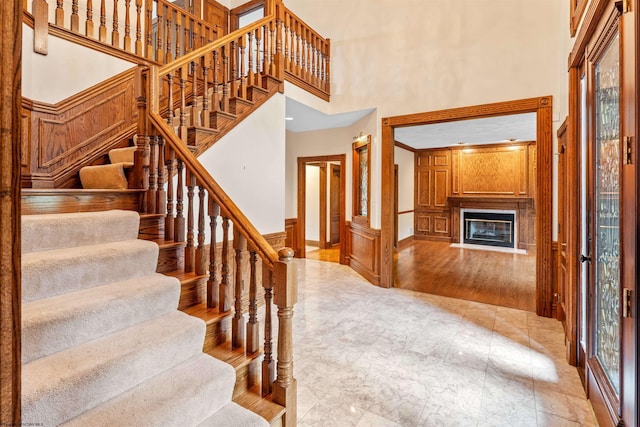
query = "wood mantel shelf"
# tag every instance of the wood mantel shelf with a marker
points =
(493, 198)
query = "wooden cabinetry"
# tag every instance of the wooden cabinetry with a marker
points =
(433, 188)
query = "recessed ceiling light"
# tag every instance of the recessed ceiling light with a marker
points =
(288, 118)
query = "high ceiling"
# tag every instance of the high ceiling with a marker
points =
(490, 130)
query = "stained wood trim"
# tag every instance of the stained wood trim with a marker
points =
(322, 238)
(10, 160)
(405, 212)
(544, 160)
(405, 242)
(364, 253)
(587, 30)
(405, 146)
(302, 84)
(577, 10)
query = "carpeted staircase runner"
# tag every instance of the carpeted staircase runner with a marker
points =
(102, 341)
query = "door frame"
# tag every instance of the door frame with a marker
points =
(331, 166)
(543, 107)
(302, 179)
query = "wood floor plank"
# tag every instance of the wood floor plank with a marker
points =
(503, 279)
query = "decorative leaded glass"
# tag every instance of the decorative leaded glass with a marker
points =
(607, 199)
(363, 179)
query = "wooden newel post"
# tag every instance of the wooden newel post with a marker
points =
(279, 56)
(285, 297)
(140, 177)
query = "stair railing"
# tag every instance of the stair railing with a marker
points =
(154, 30)
(181, 189)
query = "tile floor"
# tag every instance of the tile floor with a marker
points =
(366, 356)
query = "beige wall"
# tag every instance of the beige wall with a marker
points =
(405, 160)
(404, 56)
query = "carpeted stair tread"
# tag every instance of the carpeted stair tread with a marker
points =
(234, 415)
(109, 176)
(53, 324)
(59, 231)
(122, 155)
(51, 273)
(63, 385)
(182, 396)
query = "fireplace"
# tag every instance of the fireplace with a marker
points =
(488, 227)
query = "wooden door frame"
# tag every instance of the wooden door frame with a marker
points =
(10, 239)
(543, 108)
(333, 166)
(302, 177)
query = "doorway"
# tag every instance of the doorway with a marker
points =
(321, 208)
(542, 106)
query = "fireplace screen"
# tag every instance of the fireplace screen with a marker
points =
(489, 228)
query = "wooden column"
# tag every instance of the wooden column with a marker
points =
(237, 323)
(285, 297)
(10, 249)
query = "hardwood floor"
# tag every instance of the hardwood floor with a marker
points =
(330, 255)
(503, 279)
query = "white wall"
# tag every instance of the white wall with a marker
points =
(405, 160)
(407, 56)
(322, 143)
(249, 165)
(312, 203)
(67, 69)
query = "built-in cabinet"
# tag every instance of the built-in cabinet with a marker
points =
(496, 176)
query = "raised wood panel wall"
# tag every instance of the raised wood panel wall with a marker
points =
(60, 138)
(363, 251)
(491, 173)
(433, 188)
(501, 170)
(291, 241)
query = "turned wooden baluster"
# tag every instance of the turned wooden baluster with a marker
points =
(88, 25)
(178, 34)
(272, 50)
(233, 61)
(148, 31)
(59, 13)
(225, 78)
(169, 21)
(298, 47)
(237, 323)
(170, 112)
(250, 73)
(287, 38)
(201, 252)
(205, 91)
(258, 59)
(161, 194)
(314, 64)
(215, 98)
(224, 304)
(327, 67)
(268, 364)
(213, 284)
(139, 27)
(127, 25)
(279, 57)
(285, 297)
(303, 59)
(152, 192)
(253, 326)
(190, 250)
(268, 54)
(115, 35)
(75, 18)
(188, 35)
(169, 222)
(195, 113)
(102, 30)
(182, 130)
(178, 223)
(243, 74)
(160, 27)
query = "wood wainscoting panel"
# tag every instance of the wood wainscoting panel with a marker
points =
(291, 241)
(77, 131)
(432, 218)
(363, 251)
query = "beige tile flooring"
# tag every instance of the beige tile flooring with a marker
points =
(366, 356)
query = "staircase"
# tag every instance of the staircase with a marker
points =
(103, 341)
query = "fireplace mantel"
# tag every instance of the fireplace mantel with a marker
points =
(523, 206)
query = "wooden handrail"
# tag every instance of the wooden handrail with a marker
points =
(240, 221)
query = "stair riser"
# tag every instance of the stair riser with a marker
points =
(35, 202)
(170, 259)
(247, 376)
(151, 228)
(193, 292)
(217, 333)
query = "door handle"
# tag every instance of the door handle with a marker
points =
(585, 258)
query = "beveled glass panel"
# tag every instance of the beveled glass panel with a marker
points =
(363, 180)
(607, 192)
